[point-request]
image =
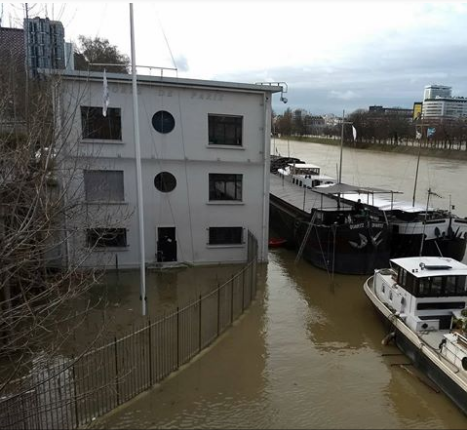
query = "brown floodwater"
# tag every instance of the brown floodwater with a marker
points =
(364, 167)
(308, 353)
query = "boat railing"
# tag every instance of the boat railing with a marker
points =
(462, 340)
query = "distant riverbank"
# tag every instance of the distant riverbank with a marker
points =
(400, 149)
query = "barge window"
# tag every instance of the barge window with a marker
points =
(410, 283)
(440, 305)
(424, 287)
(401, 279)
(451, 284)
(441, 286)
(437, 286)
(461, 287)
(407, 281)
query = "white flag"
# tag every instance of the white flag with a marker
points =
(105, 96)
(354, 131)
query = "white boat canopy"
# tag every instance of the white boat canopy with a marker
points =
(422, 267)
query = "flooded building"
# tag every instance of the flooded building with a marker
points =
(205, 149)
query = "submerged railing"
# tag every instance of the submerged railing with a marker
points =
(75, 391)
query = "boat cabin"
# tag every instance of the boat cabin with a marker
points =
(427, 292)
(304, 169)
(305, 175)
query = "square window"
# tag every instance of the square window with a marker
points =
(106, 237)
(104, 185)
(225, 130)
(94, 125)
(225, 186)
(225, 235)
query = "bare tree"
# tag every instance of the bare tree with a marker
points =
(41, 191)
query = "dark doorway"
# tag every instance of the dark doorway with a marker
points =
(166, 245)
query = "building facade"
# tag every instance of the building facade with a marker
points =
(395, 111)
(438, 103)
(12, 48)
(12, 78)
(437, 91)
(45, 44)
(205, 149)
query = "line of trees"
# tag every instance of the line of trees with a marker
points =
(375, 128)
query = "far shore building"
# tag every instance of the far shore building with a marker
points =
(438, 103)
(205, 150)
(393, 111)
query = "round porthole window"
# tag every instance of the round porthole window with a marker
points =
(163, 121)
(165, 182)
(464, 363)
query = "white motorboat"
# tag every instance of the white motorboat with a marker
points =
(423, 300)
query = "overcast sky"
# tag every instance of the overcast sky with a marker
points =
(332, 55)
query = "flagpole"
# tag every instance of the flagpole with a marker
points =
(139, 181)
(418, 163)
(416, 172)
(424, 224)
(342, 146)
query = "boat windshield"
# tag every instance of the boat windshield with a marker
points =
(435, 286)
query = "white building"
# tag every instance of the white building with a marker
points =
(434, 91)
(439, 103)
(205, 149)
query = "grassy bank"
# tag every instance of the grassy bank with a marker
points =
(399, 149)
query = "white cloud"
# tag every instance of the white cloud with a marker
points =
(343, 95)
(334, 52)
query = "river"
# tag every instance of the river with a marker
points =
(364, 167)
(308, 353)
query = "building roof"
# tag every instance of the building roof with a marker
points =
(423, 267)
(347, 188)
(303, 198)
(146, 79)
(303, 166)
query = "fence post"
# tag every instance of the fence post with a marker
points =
(151, 377)
(218, 310)
(178, 337)
(243, 291)
(254, 278)
(231, 300)
(116, 371)
(73, 372)
(200, 322)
